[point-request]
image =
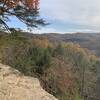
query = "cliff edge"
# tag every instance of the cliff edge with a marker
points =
(15, 86)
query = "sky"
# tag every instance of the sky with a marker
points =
(67, 16)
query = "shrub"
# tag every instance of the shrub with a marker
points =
(21, 54)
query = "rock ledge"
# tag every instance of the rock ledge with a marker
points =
(15, 86)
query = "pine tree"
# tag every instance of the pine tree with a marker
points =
(26, 11)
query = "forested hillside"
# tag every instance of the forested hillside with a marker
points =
(64, 69)
(85, 40)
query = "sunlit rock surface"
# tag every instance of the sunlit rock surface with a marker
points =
(15, 86)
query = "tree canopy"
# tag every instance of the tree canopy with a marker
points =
(26, 11)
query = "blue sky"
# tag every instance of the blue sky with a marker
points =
(68, 16)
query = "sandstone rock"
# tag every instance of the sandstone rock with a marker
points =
(15, 86)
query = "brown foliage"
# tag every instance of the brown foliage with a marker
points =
(9, 4)
(59, 80)
(43, 43)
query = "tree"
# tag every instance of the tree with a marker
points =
(26, 11)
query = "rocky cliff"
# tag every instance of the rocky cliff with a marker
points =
(15, 86)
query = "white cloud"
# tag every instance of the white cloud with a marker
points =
(83, 12)
(53, 30)
(43, 30)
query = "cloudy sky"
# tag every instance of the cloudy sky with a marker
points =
(70, 15)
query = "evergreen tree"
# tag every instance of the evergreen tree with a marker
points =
(26, 11)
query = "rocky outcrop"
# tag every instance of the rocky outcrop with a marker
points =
(15, 86)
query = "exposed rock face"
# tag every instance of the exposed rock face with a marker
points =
(15, 86)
